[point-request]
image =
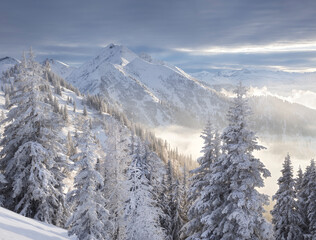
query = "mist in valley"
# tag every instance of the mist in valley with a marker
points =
(301, 150)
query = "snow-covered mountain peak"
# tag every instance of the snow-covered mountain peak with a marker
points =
(115, 54)
(9, 60)
(6, 63)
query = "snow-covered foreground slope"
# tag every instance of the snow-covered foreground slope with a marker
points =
(16, 227)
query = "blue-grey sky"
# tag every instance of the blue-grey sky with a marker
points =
(192, 34)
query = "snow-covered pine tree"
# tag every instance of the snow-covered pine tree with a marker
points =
(300, 206)
(71, 149)
(311, 203)
(85, 113)
(304, 196)
(90, 219)
(32, 156)
(286, 218)
(2, 181)
(183, 201)
(142, 211)
(199, 181)
(178, 216)
(299, 180)
(65, 113)
(156, 168)
(165, 200)
(236, 205)
(115, 166)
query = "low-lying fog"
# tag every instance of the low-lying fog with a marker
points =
(301, 149)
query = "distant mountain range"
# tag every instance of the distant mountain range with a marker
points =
(156, 93)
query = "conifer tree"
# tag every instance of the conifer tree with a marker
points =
(71, 149)
(286, 218)
(65, 113)
(90, 219)
(32, 155)
(85, 113)
(311, 203)
(199, 181)
(235, 205)
(142, 212)
(114, 169)
(305, 194)
(7, 101)
(2, 181)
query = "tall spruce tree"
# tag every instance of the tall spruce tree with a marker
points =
(142, 210)
(286, 218)
(115, 167)
(32, 155)
(311, 202)
(305, 195)
(236, 207)
(90, 219)
(199, 181)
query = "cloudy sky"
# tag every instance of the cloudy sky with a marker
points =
(192, 34)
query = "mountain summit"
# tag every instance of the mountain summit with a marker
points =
(151, 92)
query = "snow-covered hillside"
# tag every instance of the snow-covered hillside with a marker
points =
(60, 68)
(6, 63)
(150, 91)
(81, 156)
(16, 227)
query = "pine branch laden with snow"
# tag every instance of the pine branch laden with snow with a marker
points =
(90, 219)
(235, 205)
(286, 218)
(32, 156)
(198, 195)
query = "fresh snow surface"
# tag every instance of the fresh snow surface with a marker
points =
(16, 227)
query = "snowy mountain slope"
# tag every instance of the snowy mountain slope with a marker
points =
(158, 94)
(79, 116)
(16, 227)
(60, 68)
(150, 91)
(6, 63)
